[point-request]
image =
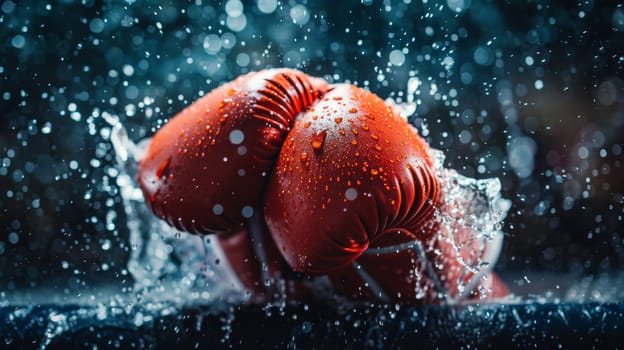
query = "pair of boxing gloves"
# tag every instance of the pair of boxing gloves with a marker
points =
(301, 181)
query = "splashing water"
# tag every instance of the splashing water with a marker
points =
(475, 209)
(167, 265)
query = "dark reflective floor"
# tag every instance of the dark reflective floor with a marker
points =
(517, 326)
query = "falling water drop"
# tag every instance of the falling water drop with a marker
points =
(236, 137)
(351, 193)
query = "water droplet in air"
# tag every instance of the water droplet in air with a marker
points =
(351, 193)
(304, 156)
(338, 120)
(236, 137)
(247, 211)
(217, 209)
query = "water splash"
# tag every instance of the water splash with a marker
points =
(167, 265)
(472, 216)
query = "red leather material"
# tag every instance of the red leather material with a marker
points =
(205, 170)
(350, 170)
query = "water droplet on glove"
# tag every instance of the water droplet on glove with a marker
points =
(318, 140)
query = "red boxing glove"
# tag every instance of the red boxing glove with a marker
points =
(352, 193)
(350, 172)
(205, 170)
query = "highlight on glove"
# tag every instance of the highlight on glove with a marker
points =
(313, 188)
